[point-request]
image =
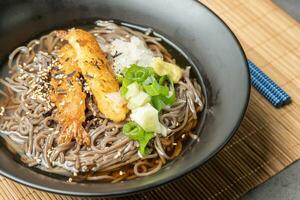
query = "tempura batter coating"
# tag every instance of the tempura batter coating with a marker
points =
(68, 97)
(97, 72)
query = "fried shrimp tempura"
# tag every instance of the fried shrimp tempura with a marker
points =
(97, 72)
(69, 98)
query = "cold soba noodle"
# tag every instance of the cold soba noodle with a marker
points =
(30, 124)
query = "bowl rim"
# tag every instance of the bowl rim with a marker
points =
(151, 186)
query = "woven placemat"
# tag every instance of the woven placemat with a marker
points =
(268, 139)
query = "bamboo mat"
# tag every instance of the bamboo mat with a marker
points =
(268, 139)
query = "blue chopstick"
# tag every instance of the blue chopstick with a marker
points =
(268, 88)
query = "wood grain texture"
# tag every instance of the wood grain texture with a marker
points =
(268, 139)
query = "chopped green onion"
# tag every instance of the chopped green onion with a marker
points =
(137, 73)
(161, 89)
(169, 98)
(166, 96)
(136, 132)
(157, 103)
(143, 143)
(162, 80)
(120, 78)
(125, 83)
(138, 100)
(154, 88)
(164, 90)
(132, 90)
(123, 90)
(133, 131)
(134, 73)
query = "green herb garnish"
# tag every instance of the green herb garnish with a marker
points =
(161, 89)
(135, 132)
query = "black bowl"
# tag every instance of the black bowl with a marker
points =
(212, 50)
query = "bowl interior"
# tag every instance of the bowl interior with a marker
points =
(201, 37)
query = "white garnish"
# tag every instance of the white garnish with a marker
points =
(132, 52)
(139, 100)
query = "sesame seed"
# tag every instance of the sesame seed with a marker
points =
(84, 168)
(193, 136)
(2, 110)
(117, 155)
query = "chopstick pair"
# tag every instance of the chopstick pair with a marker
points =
(268, 88)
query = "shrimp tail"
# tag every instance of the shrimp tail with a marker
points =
(74, 130)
